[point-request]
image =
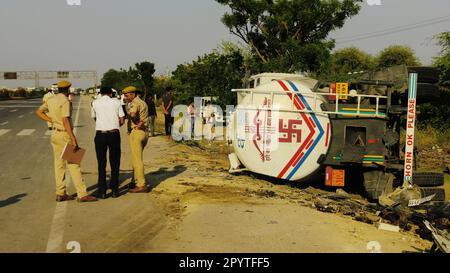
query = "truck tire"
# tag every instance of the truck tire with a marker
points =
(426, 74)
(440, 193)
(377, 183)
(428, 179)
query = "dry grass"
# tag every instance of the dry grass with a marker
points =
(428, 137)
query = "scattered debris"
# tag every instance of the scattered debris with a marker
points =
(447, 169)
(388, 227)
(393, 213)
(441, 239)
(434, 157)
(367, 218)
(342, 192)
(324, 206)
(266, 193)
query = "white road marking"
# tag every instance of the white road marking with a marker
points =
(26, 132)
(12, 111)
(57, 231)
(21, 116)
(55, 240)
(4, 131)
(4, 123)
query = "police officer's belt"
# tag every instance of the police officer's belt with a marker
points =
(58, 130)
(108, 132)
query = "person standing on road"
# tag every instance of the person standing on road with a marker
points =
(138, 114)
(209, 120)
(46, 97)
(191, 111)
(152, 114)
(123, 103)
(109, 116)
(167, 104)
(57, 111)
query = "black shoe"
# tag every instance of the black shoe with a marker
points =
(102, 196)
(115, 194)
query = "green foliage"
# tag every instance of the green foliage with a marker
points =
(213, 74)
(4, 93)
(160, 83)
(145, 74)
(19, 93)
(140, 76)
(442, 62)
(444, 41)
(345, 61)
(436, 114)
(397, 55)
(119, 79)
(287, 35)
(351, 59)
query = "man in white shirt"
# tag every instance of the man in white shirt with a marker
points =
(109, 116)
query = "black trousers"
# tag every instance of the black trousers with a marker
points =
(103, 143)
(168, 120)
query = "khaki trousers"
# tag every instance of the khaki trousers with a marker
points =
(138, 141)
(59, 141)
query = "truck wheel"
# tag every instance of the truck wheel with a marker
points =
(428, 179)
(426, 74)
(440, 193)
(378, 183)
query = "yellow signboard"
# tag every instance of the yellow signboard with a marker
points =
(342, 89)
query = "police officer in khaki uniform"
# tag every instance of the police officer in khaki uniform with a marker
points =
(138, 114)
(57, 111)
(46, 97)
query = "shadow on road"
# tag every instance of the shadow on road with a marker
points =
(161, 175)
(153, 178)
(12, 200)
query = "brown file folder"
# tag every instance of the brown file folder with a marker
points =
(70, 155)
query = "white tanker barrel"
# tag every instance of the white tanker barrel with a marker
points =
(277, 132)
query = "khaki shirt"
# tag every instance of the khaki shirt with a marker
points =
(47, 96)
(139, 107)
(57, 108)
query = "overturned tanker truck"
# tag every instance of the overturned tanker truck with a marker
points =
(292, 127)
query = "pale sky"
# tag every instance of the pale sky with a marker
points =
(103, 34)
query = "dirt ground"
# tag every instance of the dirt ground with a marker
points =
(196, 206)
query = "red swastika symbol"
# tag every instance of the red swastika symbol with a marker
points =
(290, 131)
